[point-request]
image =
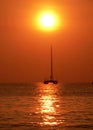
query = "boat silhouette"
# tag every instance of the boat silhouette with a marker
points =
(51, 80)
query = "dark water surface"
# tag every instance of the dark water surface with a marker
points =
(46, 107)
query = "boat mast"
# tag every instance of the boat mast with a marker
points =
(51, 69)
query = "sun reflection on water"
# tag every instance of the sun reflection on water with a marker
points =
(47, 110)
(49, 104)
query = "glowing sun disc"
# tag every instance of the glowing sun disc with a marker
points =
(47, 20)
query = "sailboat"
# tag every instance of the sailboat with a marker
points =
(51, 80)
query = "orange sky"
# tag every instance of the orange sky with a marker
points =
(24, 50)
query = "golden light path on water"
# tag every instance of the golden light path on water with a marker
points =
(48, 111)
(50, 107)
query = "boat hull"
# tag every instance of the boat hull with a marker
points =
(50, 81)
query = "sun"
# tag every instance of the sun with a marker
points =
(47, 21)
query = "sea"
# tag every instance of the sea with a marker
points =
(39, 106)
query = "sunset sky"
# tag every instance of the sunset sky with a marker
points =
(25, 48)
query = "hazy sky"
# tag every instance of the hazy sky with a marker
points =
(25, 50)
